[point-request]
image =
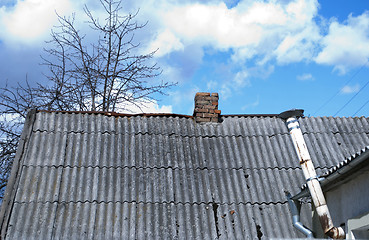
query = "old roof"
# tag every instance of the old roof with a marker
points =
(93, 175)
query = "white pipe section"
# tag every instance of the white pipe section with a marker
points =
(312, 180)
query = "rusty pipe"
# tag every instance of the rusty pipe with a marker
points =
(310, 174)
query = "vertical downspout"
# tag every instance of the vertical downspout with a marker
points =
(295, 211)
(310, 175)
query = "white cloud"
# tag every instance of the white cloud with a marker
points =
(11, 117)
(262, 71)
(239, 81)
(305, 77)
(346, 45)
(268, 29)
(225, 91)
(220, 26)
(145, 106)
(298, 46)
(263, 31)
(166, 42)
(350, 89)
(30, 20)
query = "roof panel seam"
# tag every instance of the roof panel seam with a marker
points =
(161, 202)
(170, 167)
(163, 134)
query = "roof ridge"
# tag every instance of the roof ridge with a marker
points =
(117, 114)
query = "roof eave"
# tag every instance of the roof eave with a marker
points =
(341, 174)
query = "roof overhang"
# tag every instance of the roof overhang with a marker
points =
(345, 171)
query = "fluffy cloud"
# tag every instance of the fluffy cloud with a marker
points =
(214, 24)
(241, 79)
(29, 20)
(350, 89)
(346, 45)
(299, 46)
(269, 29)
(145, 106)
(166, 42)
(263, 31)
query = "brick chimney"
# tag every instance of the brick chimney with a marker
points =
(206, 107)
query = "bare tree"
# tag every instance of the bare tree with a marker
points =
(103, 74)
(101, 70)
(14, 103)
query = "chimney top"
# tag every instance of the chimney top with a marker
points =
(206, 107)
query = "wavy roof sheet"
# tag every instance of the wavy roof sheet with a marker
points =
(98, 176)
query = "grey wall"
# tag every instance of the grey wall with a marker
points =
(347, 201)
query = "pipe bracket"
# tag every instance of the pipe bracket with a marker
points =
(317, 177)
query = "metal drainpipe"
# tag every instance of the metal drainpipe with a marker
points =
(295, 210)
(310, 175)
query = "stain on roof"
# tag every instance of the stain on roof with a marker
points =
(104, 176)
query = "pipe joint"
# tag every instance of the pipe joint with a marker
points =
(336, 233)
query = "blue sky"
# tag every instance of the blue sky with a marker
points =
(260, 56)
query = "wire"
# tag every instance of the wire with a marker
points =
(360, 108)
(351, 98)
(329, 100)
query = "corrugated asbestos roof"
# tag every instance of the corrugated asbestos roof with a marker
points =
(95, 176)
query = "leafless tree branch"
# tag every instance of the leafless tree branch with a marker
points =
(103, 74)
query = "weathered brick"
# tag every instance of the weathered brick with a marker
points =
(217, 111)
(210, 106)
(201, 110)
(203, 120)
(210, 115)
(199, 98)
(199, 106)
(202, 94)
(202, 102)
(211, 99)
